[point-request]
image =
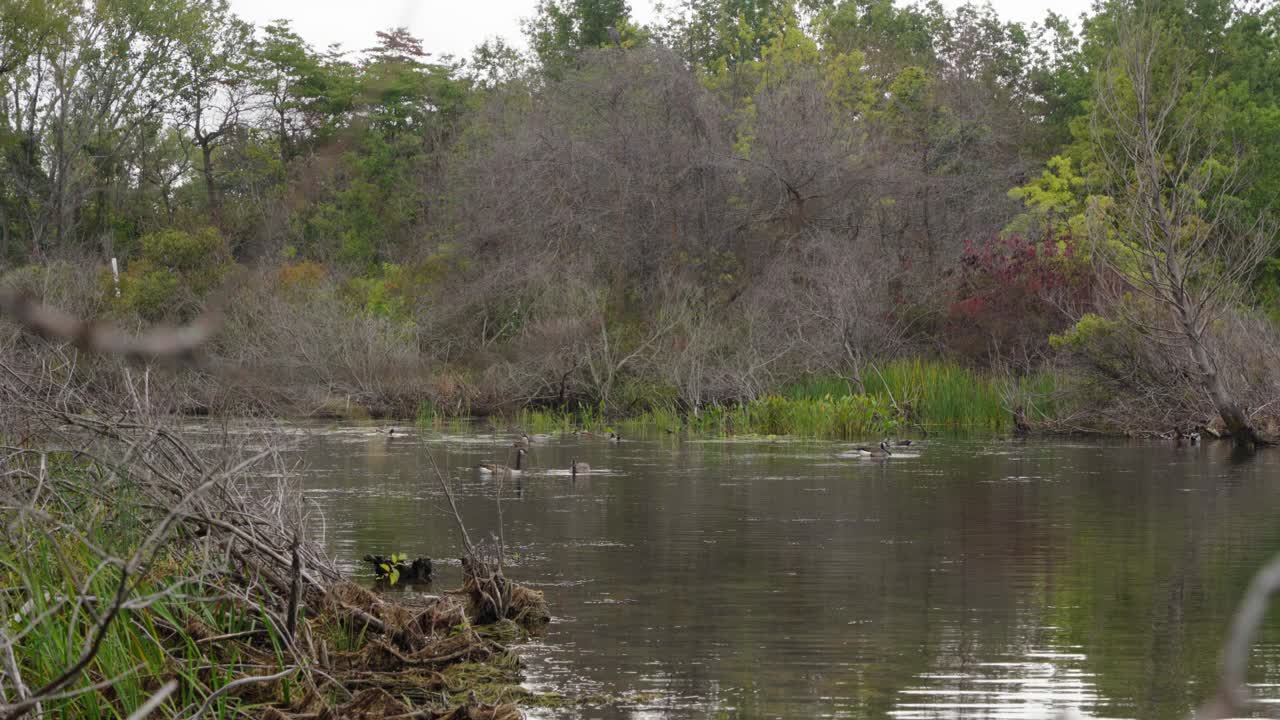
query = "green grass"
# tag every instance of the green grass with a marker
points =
(144, 646)
(941, 395)
(894, 398)
(543, 420)
(829, 416)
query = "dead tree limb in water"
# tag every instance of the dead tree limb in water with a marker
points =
(1175, 231)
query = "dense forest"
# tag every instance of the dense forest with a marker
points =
(697, 213)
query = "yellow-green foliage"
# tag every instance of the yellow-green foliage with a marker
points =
(1055, 202)
(1089, 330)
(790, 55)
(849, 87)
(395, 290)
(790, 52)
(148, 290)
(381, 295)
(174, 271)
(200, 253)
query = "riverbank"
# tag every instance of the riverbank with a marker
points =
(900, 398)
(145, 574)
(289, 344)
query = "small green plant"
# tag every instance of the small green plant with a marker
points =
(391, 568)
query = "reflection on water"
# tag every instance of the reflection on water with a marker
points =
(978, 579)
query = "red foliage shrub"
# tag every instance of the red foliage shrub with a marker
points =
(1013, 293)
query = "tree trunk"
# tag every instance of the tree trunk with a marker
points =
(215, 209)
(1237, 423)
(4, 236)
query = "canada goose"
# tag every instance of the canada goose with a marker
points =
(880, 452)
(1181, 438)
(578, 468)
(902, 443)
(522, 441)
(615, 437)
(497, 469)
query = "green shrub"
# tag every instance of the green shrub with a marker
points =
(1089, 331)
(148, 290)
(174, 272)
(180, 250)
(381, 295)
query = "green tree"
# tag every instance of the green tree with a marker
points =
(560, 29)
(721, 34)
(404, 111)
(308, 95)
(215, 90)
(1176, 230)
(78, 105)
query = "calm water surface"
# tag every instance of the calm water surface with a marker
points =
(726, 578)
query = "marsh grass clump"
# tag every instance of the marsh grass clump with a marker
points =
(887, 399)
(941, 395)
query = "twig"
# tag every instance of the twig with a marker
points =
(208, 702)
(448, 493)
(295, 589)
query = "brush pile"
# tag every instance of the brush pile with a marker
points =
(147, 573)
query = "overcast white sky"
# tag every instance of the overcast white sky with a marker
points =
(457, 26)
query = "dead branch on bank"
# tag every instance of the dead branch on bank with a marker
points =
(489, 595)
(1175, 231)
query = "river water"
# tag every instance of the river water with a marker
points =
(966, 578)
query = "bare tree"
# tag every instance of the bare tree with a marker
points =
(1174, 230)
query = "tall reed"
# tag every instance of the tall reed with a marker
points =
(887, 399)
